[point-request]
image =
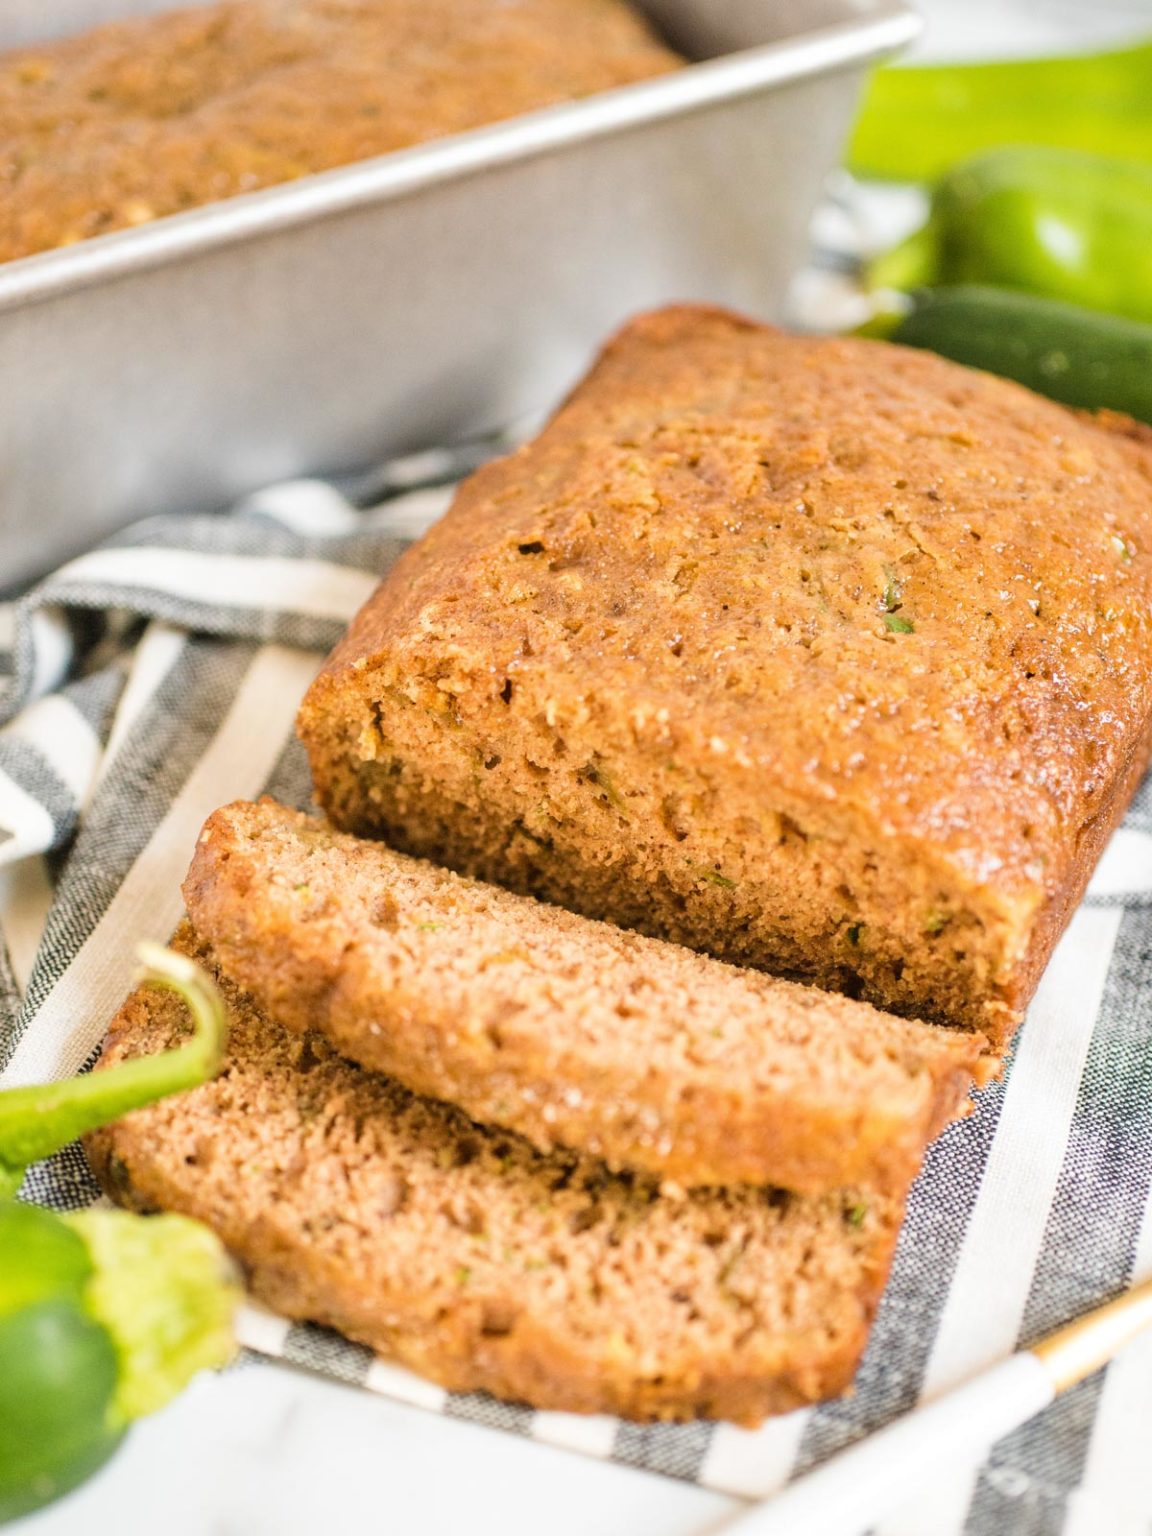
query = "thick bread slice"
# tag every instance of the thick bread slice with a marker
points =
(567, 1030)
(464, 1254)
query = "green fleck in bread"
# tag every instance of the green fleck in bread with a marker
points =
(462, 1253)
(566, 1030)
(818, 654)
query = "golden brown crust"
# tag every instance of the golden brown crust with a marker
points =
(818, 654)
(459, 1252)
(156, 114)
(564, 1030)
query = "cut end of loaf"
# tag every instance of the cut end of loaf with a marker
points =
(751, 883)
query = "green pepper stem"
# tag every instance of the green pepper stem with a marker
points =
(38, 1120)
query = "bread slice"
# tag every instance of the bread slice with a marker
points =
(460, 1252)
(815, 653)
(563, 1029)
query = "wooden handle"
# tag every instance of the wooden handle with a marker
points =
(1081, 1347)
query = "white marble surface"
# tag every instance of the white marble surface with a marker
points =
(267, 1451)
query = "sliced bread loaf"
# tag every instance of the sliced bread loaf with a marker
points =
(462, 1253)
(563, 1029)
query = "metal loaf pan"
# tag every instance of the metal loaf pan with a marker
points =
(422, 297)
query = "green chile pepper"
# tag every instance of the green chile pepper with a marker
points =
(104, 1315)
(39, 1120)
(1054, 222)
(1061, 350)
(919, 121)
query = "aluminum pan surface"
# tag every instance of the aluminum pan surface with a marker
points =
(868, 33)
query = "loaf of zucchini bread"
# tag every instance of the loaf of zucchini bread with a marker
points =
(819, 655)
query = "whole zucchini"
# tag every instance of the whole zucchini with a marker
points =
(1070, 354)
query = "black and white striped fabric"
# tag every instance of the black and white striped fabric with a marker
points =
(153, 679)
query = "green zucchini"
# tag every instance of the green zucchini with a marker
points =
(1071, 354)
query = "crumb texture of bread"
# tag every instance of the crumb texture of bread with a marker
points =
(818, 654)
(465, 1255)
(156, 114)
(568, 1031)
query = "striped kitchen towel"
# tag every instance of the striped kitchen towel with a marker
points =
(157, 677)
